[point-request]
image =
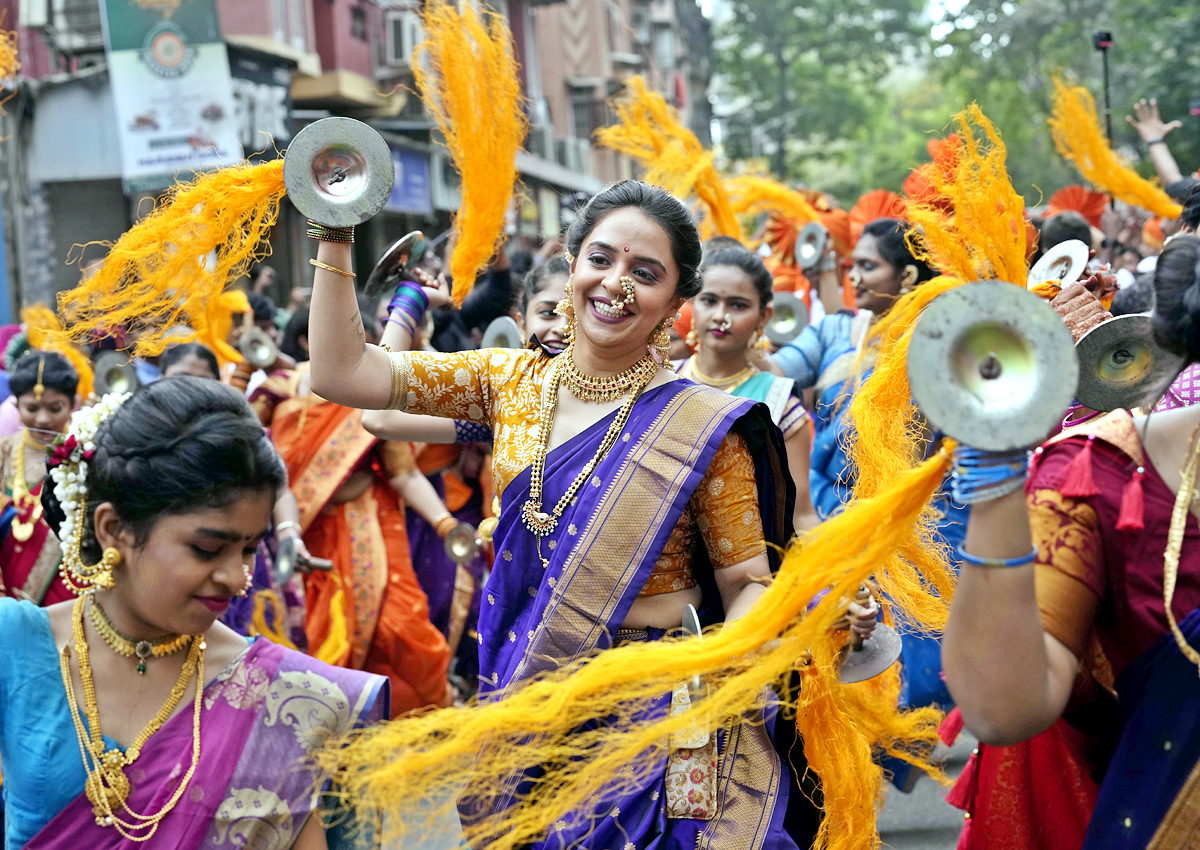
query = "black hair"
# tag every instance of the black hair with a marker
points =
(264, 308)
(1191, 209)
(189, 349)
(57, 374)
(297, 327)
(1063, 227)
(719, 243)
(537, 278)
(670, 212)
(1177, 297)
(173, 447)
(751, 264)
(1178, 190)
(1138, 297)
(891, 240)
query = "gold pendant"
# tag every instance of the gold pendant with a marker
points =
(536, 520)
(107, 787)
(22, 531)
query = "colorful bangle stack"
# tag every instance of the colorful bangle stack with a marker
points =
(322, 233)
(980, 476)
(974, 560)
(408, 307)
(444, 523)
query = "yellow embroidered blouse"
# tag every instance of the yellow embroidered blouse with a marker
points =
(502, 388)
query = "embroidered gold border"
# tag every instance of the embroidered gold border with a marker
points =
(1180, 828)
(747, 791)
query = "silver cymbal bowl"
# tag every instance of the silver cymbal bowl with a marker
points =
(396, 264)
(992, 365)
(810, 245)
(789, 318)
(338, 172)
(1122, 366)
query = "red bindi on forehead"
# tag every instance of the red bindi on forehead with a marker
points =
(626, 250)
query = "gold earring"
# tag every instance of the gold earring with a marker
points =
(80, 578)
(661, 340)
(693, 340)
(760, 341)
(909, 280)
(249, 580)
(566, 309)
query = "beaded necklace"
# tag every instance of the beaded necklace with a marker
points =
(536, 520)
(127, 646)
(587, 387)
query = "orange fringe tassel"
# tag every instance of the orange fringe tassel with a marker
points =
(752, 194)
(171, 268)
(649, 131)
(10, 62)
(467, 77)
(46, 334)
(216, 323)
(1078, 137)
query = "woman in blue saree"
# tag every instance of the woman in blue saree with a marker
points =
(626, 495)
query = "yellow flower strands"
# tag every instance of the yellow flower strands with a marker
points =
(156, 276)
(107, 786)
(650, 131)
(140, 649)
(536, 520)
(22, 499)
(1075, 128)
(467, 77)
(1187, 489)
(428, 758)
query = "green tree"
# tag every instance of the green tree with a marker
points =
(806, 75)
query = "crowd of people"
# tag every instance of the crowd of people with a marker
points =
(236, 563)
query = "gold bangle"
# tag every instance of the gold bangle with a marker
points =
(330, 268)
(398, 400)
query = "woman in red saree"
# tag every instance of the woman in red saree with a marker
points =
(368, 612)
(44, 385)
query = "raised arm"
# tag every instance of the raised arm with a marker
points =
(1154, 132)
(345, 369)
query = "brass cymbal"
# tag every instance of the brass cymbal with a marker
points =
(502, 332)
(1122, 366)
(788, 320)
(396, 264)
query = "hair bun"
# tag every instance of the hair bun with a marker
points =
(1177, 297)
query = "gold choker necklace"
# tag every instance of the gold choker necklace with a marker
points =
(589, 388)
(693, 372)
(126, 646)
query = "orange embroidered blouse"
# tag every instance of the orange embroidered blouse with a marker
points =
(502, 388)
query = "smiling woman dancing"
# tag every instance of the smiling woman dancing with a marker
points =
(626, 496)
(190, 737)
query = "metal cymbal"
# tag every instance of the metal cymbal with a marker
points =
(396, 264)
(502, 332)
(259, 349)
(285, 560)
(114, 373)
(1121, 365)
(1065, 262)
(789, 318)
(338, 172)
(992, 365)
(872, 657)
(810, 245)
(462, 544)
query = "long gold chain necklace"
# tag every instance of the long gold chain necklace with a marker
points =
(693, 372)
(107, 787)
(1187, 489)
(536, 520)
(126, 646)
(27, 504)
(587, 387)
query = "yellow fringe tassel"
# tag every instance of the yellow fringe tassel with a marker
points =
(649, 131)
(756, 193)
(10, 62)
(468, 79)
(1078, 137)
(428, 759)
(258, 621)
(171, 267)
(46, 334)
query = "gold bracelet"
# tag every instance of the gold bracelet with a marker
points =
(398, 400)
(330, 268)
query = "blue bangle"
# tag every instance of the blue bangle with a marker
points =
(997, 562)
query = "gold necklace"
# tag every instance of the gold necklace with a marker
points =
(127, 646)
(26, 504)
(587, 387)
(1187, 490)
(107, 786)
(536, 520)
(719, 383)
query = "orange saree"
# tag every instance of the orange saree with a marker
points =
(367, 613)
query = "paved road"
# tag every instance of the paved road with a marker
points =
(922, 820)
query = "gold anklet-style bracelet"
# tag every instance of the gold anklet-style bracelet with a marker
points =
(330, 268)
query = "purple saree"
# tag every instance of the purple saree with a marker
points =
(261, 717)
(600, 555)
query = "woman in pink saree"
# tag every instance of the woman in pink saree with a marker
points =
(132, 716)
